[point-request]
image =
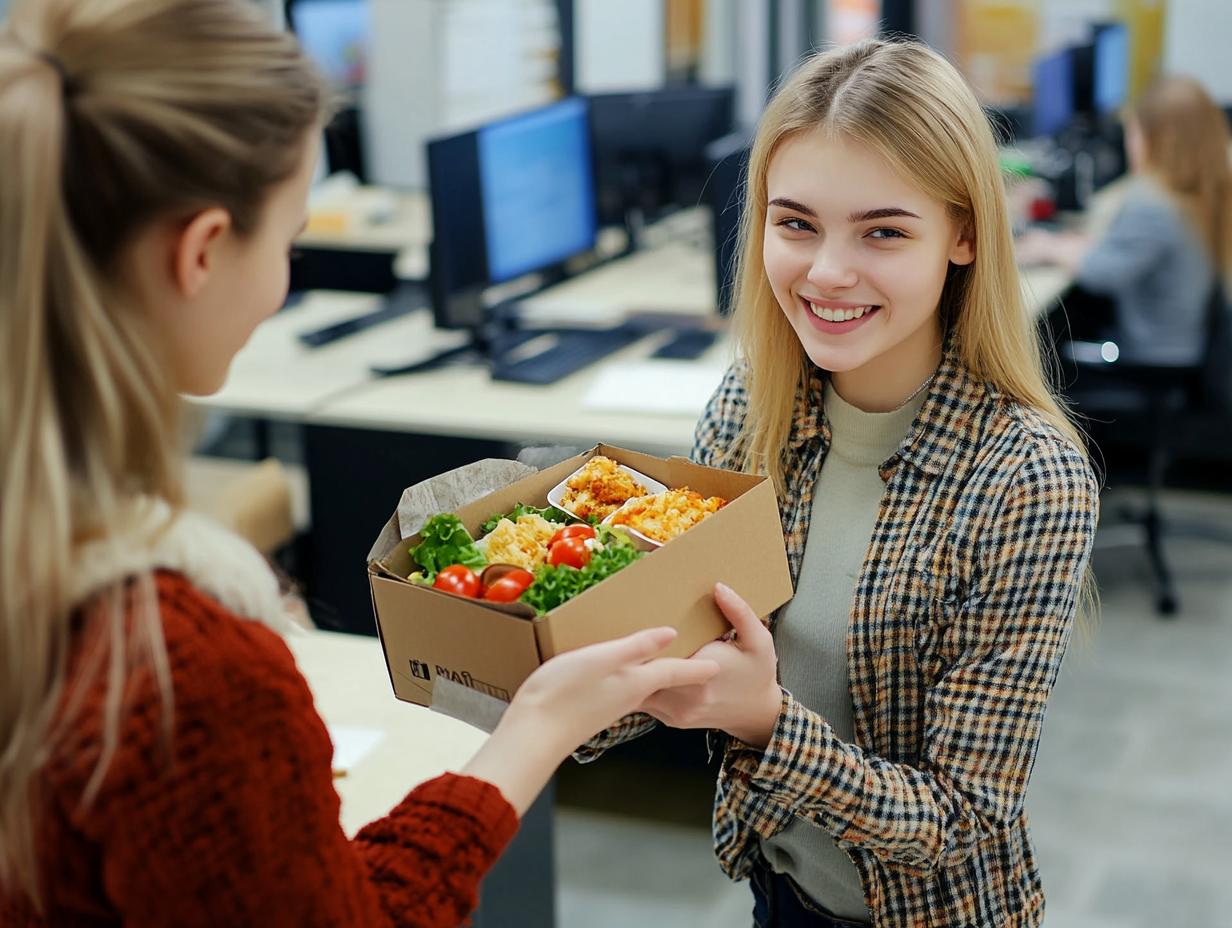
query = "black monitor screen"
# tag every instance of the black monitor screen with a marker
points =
(650, 146)
(335, 35)
(511, 198)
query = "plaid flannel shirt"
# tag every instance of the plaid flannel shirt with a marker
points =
(960, 619)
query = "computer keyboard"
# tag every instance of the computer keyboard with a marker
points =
(570, 350)
(396, 304)
(687, 345)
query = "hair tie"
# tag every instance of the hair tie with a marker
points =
(67, 81)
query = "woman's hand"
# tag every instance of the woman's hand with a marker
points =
(569, 699)
(582, 692)
(744, 697)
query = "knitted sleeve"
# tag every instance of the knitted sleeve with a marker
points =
(240, 824)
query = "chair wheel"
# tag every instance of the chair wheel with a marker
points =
(1167, 605)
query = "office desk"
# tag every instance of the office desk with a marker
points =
(463, 401)
(345, 218)
(367, 217)
(351, 689)
(275, 376)
(676, 278)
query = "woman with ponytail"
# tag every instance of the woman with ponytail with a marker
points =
(161, 762)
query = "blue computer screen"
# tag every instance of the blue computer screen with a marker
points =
(335, 34)
(1111, 68)
(537, 178)
(1053, 92)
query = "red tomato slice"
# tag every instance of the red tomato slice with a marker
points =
(571, 552)
(506, 590)
(458, 579)
(577, 530)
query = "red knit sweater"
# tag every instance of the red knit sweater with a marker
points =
(240, 825)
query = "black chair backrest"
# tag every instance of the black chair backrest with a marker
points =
(1217, 363)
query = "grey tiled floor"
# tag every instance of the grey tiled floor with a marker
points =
(1130, 802)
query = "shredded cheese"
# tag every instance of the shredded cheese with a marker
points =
(666, 515)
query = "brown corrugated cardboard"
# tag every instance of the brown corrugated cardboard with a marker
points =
(428, 634)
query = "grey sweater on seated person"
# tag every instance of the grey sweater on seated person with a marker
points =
(1153, 264)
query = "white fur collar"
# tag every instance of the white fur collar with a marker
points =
(217, 561)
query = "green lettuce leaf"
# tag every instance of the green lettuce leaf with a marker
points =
(444, 542)
(555, 585)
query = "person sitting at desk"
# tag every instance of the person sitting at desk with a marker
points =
(1159, 259)
(161, 761)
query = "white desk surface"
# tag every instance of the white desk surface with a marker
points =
(275, 376)
(676, 278)
(369, 218)
(351, 688)
(374, 219)
(464, 402)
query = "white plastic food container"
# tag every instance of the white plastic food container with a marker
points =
(557, 494)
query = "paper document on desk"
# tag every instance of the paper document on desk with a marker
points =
(351, 745)
(670, 388)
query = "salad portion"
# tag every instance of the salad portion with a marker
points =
(538, 557)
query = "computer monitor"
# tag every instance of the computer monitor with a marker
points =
(335, 34)
(650, 147)
(1053, 95)
(1110, 68)
(513, 197)
(538, 186)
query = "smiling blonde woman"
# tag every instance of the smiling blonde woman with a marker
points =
(937, 505)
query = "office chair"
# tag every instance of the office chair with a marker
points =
(1150, 402)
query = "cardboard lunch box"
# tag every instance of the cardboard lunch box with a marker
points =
(430, 637)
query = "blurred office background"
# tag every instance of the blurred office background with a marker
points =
(521, 237)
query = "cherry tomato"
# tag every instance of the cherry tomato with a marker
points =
(509, 587)
(571, 552)
(458, 579)
(577, 530)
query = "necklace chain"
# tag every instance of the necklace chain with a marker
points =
(917, 391)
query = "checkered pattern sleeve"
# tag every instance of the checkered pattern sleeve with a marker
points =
(625, 729)
(983, 712)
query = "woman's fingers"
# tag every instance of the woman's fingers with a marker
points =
(748, 627)
(670, 672)
(637, 648)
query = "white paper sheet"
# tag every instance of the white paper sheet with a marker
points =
(352, 745)
(662, 387)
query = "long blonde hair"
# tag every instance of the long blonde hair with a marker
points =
(1187, 140)
(907, 103)
(113, 114)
